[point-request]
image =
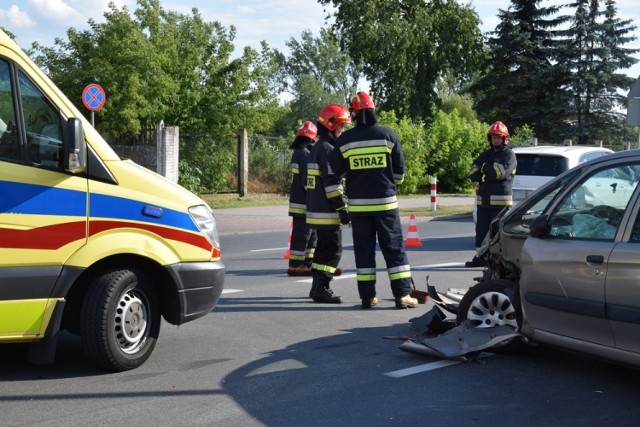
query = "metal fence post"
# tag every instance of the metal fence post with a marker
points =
(243, 162)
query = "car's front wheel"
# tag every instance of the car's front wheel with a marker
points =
(488, 304)
(120, 319)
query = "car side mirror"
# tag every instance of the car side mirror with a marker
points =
(540, 226)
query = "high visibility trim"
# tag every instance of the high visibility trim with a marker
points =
(399, 268)
(373, 205)
(323, 267)
(297, 208)
(297, 211)
(360, 147)
(296, 257)
(373, 208)
(366, 271)
(323, 218)
(382, 200)
(313, 172)
(366, 277)
(366, 150)
(334, 191)
(401, 275)
(499, 170)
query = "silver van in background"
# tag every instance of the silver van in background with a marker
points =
(539, 164)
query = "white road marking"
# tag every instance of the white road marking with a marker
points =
(429, 367)
(231, 291)
(268, 249)
(421, 368)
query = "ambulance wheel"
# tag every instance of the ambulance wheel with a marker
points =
(120, 319)
(491, 303)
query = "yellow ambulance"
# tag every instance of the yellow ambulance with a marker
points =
(90, 243)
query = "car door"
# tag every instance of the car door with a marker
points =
(622, 291)
(43, 209)
(564, 274)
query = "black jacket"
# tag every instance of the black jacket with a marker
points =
(321, 213)
(297, 190)
(370, 158)
(494, 172)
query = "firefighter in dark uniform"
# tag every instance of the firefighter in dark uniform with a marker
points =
(323, 215)
(370, 157)
(303, 238)
(493, 171)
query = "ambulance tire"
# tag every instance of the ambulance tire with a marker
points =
(120, 319)
(492, 303)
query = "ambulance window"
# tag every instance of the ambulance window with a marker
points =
(9, 146)
(42, 125)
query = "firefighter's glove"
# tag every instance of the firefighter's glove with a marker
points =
(344, 216)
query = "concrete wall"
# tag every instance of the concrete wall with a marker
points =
(162, 157)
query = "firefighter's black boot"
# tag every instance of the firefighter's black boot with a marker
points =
(314, 285)
(323, 293)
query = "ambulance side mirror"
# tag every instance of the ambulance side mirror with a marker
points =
(75, 148)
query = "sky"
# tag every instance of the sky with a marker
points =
(275, 21)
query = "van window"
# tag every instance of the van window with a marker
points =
(535, 165)
(9, 146)
(42, 125)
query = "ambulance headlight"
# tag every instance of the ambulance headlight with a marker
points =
(204, 219)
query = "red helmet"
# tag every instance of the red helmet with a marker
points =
(307, 129)
(361, 101)
(498, 128)
(332, 115)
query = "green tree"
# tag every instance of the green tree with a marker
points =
(161, 65)
(452, 143)
(316, 73)
(519, 86)
(405, 46)
(591, 53)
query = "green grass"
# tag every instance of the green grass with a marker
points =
(440, 211)
(225, 201)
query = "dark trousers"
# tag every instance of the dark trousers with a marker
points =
(483, 221)
(328, 251)
(303, 243)
(387, 230)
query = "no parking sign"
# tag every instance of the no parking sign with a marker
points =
(93, 97)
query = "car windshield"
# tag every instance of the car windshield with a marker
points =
(537, 165)
(517, 221)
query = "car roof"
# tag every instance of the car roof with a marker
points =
(568, 151)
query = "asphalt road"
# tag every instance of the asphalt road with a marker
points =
(268, 356)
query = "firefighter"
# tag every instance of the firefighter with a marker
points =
(493, 171)
(323, 215)
(370, 157)
(303, 238)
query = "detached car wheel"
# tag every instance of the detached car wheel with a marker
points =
(120, 320)
(488, 304)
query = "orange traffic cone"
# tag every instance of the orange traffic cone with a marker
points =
(413, 240)
(288, 251)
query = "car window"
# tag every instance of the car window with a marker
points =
(519, 219)
(9, 145)
(592, 155)
(594, 209)
(42, 123)
(536, 165)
